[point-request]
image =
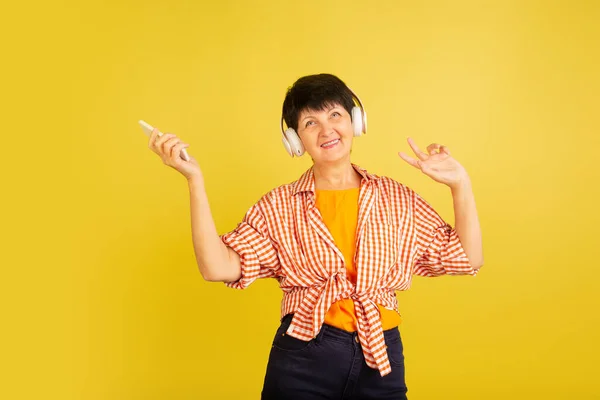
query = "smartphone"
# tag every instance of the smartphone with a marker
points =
(147, 128)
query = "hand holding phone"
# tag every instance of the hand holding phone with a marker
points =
(147, 128)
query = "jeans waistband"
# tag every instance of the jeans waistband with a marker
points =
(332, 332)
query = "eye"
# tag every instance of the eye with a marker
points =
(336, 114)
(308, 123)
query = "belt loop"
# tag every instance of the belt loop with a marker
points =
(286, 321)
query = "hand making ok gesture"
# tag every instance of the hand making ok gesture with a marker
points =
(437, 164)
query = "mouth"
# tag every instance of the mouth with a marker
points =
(330, 144)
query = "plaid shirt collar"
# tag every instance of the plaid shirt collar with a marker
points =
(306, 183)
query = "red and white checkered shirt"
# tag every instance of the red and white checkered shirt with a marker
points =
(399, 234)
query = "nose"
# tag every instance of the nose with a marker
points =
(326, 129)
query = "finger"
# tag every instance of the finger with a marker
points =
(153, 136)
(169, 144)
(176, 150)
(159, 144)
(433, 147)
(410, 160)
(162, 139)
(445, 150)
(417, 150)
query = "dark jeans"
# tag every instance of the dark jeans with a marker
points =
(331, 366)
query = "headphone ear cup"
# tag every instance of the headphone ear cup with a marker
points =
(292, 143)
(287, 146)
(364, 120)
(357, 121)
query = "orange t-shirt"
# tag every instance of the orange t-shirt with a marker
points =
(339, 209)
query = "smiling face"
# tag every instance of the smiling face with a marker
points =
(327, 133)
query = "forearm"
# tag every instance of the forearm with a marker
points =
(467, 222)
(215, 260)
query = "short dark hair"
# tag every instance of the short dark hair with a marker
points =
(315, 92)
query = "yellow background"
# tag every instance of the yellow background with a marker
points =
(101, 295)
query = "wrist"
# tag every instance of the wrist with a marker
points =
(195, 181)
(461, 185)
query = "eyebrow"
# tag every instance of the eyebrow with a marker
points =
(329, 109)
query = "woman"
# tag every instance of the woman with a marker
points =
(340, 241)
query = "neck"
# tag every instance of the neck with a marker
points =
(336, 177)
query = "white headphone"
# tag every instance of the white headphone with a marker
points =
(293, 144)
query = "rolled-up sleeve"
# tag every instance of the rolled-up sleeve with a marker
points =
(440, 251)
(251, 240)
